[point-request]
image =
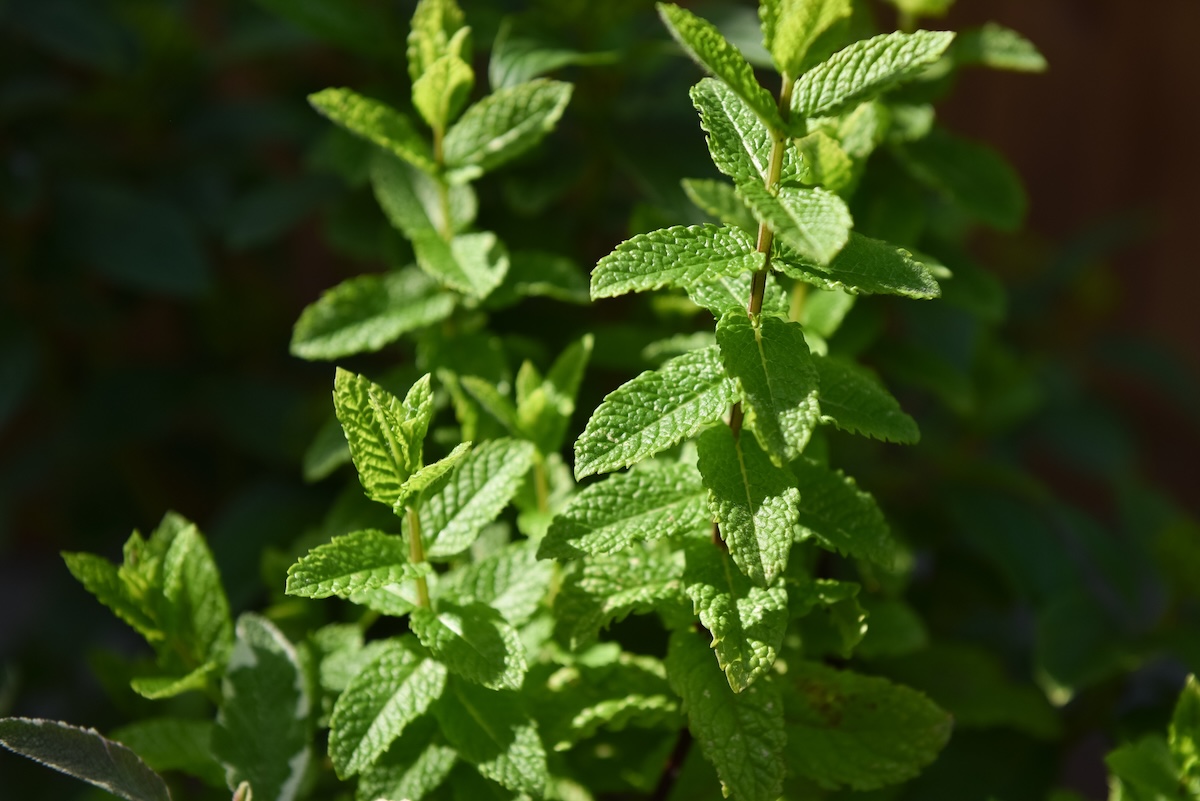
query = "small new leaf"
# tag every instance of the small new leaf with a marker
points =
(437, 29)
(680, 256)
(363, 560)
(753, 501)
(864, 70)
(440, 93)
(376, 122)
(474, 642)
(854, 400)
(414, 489)
(654, 411)
(504, 125)
(791, 26)
(813, 222)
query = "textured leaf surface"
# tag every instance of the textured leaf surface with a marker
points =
(365, 313)
(752, 500)
(376, 122)
(865, 266)
(512, 581)
(741, 734)
(384, 698)
(737, 139)
(813, 222)
(718, 199)
(854, 400)
(607, 588)
(263, 734)
(175, 744)
(731, 295)
(84, 754)
(840, 515)
(440, 93)
(849, 730)
(473, 641)
(791, 26)
(770, 359)
(865, 69)
(492, 731)
(504, 125)
(431, 35)
(385, 434)
(680, 256)
(362, 560)
(654, 411)
(484, 483)
(705, 44)
(640, 505)
(473, 263)
(413, 767)
(430, 475)
(747, 623)
(414, 203)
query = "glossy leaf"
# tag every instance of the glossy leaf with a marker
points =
(864, 266)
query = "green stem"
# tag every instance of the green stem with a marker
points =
(541, 484)
(799, 296)
(447, 231)
(416, 553)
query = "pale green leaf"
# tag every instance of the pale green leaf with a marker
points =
(864, 266)
(545, 410)
(413, 767)
(741, 734)
(473, 264)
(385, 435)
(705, 44)
(861, 732)
(770, 359)
(495, 404)
(840, 515)
(365, 313)
(84, 754)
(823, 162)
(813, 222)
(361, 560)
(719, 200)
(738, 140)
(476, 492)
(823, 312)
(157, 688)
(923, 8)
(730, 295)
(1183, 735)
(517, 58)
(611, 514)
(420, 206)
(864, 70)
(998, 47)
(680, 256)
(376, 122)
(654, 411)
(414, 489)
(791, 26)
(854, 400)
(442, 90)
(504, 125)
(491, 730)
(101, 578)
(197, 611)
(752, 500)
(747, 623)
(512, 581)
(175, 744)
(473, 641)
(383, 699)
(264, 733)
(435, 31)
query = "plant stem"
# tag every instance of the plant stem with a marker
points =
(416, 553)
(447, 228)
(540, 483)
(670, 774)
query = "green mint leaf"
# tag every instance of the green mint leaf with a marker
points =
(518, 58)
(414, 489)
(512, 581)
(490, 730)
(384, 698)
(180, 744)
(385, 435)
(414, 766)
(1183, 736)
(624, 508)
(196, 607)
(442, 90)
(504, 125)
(484, 483)
(494, 404)
(813, 222)
(607, 588)
(719, 200)
(680, 256)
(864, 266)
(437, 29)
(823, 312)
(654, 411)
(854, 400)
(705, 44)
(738, 140)
(770, 359)
(473, 264)
(365, 313)
(790, 27)
(823, 162)
(831, 620)
(730, 295)
(741, 734)
(861, 732)
(971, 175)
(414, 204)
(157, 688)
(864, 70)
(747, 623)
(376, 122)
(263, 734)
(998, 47)
(102, 579)
(84, 754)
(474, 642)
(840, 515)
(340, 654)
(362, 560)
(533, 273)
(752, 500)
(543, 412)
